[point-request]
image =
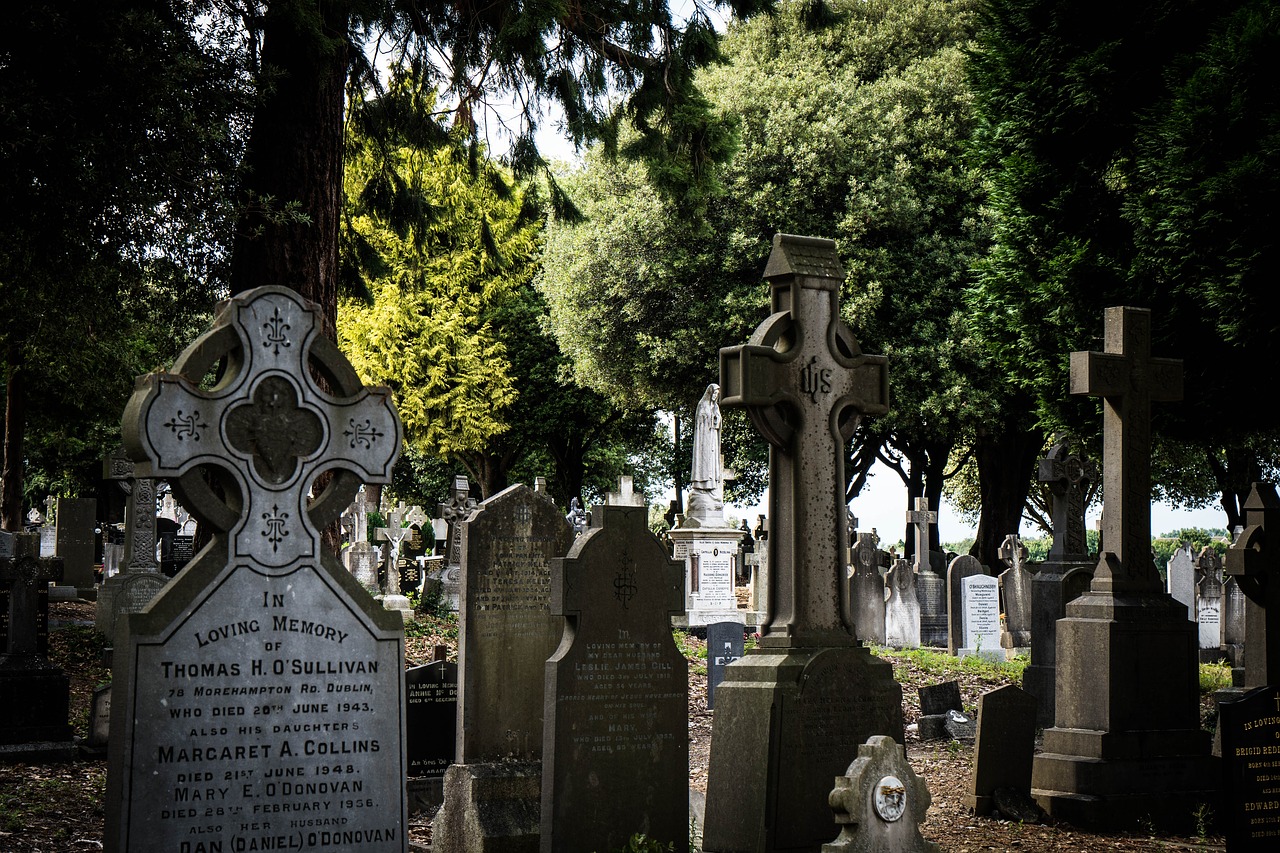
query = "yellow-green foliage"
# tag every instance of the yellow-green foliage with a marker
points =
(442, 273)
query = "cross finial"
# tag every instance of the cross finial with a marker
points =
(805, 383)
(1128, 380)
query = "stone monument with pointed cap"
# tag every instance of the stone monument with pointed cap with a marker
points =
(792, 713)
(239, 668)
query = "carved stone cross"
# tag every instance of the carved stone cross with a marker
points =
(1068, 477)
(1254, 561)
(805, 384)
(266, 425)
(1128, 380)
(400, 523)
(1013, 552)
(455, 511)
(139, 514)
(24, 571)
(921, 517)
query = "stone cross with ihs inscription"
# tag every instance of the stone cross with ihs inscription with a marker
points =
(805, 384)
(267, 425)
(1128, 380)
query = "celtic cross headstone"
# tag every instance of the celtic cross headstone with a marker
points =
(783, 707)
(139, 578)
(264, 659)
(1068, 477)
(454, 512)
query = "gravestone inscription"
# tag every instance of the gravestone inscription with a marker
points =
(615, 755)
(431, 717)
(264, 666)
(1250, 729)
(980, 606)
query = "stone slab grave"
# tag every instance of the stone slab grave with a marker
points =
(901, 609)
(867, 590)
(259, 699)
(1126, 748)
(880, 802)
(964, 566)
(792, 712)
(1250, 729)
(1005, 744)
(725, 643)
(1180, 579)
(76, 545)
(1067, 571)
(931, 584)
(431, 721)
(139, 578)
(615, 749)
(980, 608)
(1015, 598)
(36, 694)
(506, 633)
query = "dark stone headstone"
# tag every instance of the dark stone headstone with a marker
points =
(724, 646)
(1005, 745)
(492, 794)
(431, 717)
(616, 745)
(77, 543)
(95, 745)
(42, 618)
(961, 567)
(264, 666)
(940, 698)
(1250, 730)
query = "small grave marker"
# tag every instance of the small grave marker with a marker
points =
(725, 642)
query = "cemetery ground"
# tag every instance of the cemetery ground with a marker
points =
(59, 807)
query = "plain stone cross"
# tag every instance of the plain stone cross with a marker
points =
(1128, 380)
(921, 518)
(805, 384)
(267, 424)
(1068, 478)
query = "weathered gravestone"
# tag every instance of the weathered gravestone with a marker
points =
(507, 631)
(725, 643)
(901, 610)
(139, 579)
(399, 528)
(980, 611)
(1069, 478)
(431, 721)
(1255, 564)
(1180, 579)
(76, 544)
(1015, 594)
(1003, 749)
(931, 584)
(791, 713)
(264, 667)
(1233, 624)
(615, 753)
(1209, 613)
(95, 745)
(867, 590)
(962, 567)
(1127, 745)
(35, 693)
(1250, 730)
(880, 803)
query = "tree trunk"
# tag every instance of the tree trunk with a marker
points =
(1006, 460)
(15, 423)
(287, 233)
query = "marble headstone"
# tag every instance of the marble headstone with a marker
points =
(980, 606)
(902, 611)
(1181, 579)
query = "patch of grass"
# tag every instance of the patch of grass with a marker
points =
(694, 650)
(935, 662)
(1214, 676)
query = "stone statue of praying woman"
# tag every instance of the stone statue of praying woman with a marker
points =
(706, 482)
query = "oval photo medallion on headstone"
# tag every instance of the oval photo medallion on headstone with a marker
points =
(890, 798)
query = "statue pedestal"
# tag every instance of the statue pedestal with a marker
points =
(710, 555)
